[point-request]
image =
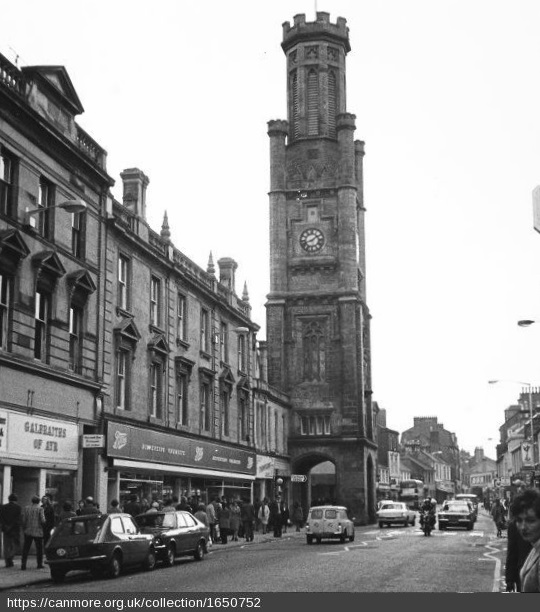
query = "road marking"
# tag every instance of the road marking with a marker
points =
(497, 569)
(476, 534)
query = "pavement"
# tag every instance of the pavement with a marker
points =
(14, 577)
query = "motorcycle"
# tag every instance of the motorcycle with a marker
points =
(427, 522)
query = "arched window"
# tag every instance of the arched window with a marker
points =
(332, 97)
(313, 103)
(314, 348)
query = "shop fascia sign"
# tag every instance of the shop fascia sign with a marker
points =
(137, 444)
(38, 439)
(265, 466)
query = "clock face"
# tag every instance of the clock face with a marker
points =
(312, 240)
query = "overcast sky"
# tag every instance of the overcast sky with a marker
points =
(447, 98)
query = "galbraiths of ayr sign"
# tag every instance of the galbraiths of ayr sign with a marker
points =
(127, 442)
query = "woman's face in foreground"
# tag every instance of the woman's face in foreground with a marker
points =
(529, 525)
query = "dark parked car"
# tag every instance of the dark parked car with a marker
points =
(176, 534)
(101, 543)
(456, 514)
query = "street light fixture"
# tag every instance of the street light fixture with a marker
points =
(529, 391)
(72, 206)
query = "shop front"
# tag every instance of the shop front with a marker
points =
(154, 465)
(38, 455)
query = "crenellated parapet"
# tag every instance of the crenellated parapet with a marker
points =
(321, 28)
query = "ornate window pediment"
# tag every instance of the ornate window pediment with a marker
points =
(81, 285)
(12, 249)
(159, 346)
(49, 269)
(226, 377)
(128, 331)
(243, 384)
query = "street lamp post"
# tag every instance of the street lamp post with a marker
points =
(72, 206)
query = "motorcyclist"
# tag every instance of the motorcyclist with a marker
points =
(427, 511)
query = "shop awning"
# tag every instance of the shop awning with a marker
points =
(177, 469)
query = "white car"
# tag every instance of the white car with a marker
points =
(329, 522)
(393, 513)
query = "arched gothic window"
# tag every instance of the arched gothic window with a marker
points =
(314, 348)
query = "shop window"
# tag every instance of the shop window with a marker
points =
(6, 291)
(124, 272)
(8, 166)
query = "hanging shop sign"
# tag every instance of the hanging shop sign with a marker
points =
(127, 442)
(31, 439)
(265, 467)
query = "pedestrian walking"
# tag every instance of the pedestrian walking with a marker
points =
(297, 515)
(224, 522)
(247, 516)
(168, 505)
(33, 519)
(66, 512)
(526, 511)
(201, 515)
(89, 506)
(499, 516)
(264, 515)
(133, 506)
(285, 516)
(234, 520)
(114, 507)
(11, 520)
(274, 520)
(211, 515)
(50, 518)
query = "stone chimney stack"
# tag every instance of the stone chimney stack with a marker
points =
(263, 360)
(478, 454)
(227, 271)
(135, 184)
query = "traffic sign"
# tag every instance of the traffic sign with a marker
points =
(298, 478)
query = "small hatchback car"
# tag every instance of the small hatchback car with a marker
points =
(176, 534)
(329, 522)
(101, 543)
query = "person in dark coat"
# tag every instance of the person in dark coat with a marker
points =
(50, 518)
(224, 522)
(274, 519)
(285, 515)
(247, 516)
(516, 553)
(11, 520)
(66, 512)
(89, 506)
(133, 507)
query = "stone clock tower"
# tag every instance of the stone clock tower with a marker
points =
(317, 317)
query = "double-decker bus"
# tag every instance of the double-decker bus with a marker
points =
(411, 492)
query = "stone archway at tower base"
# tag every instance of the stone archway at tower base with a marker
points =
(354, 476)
